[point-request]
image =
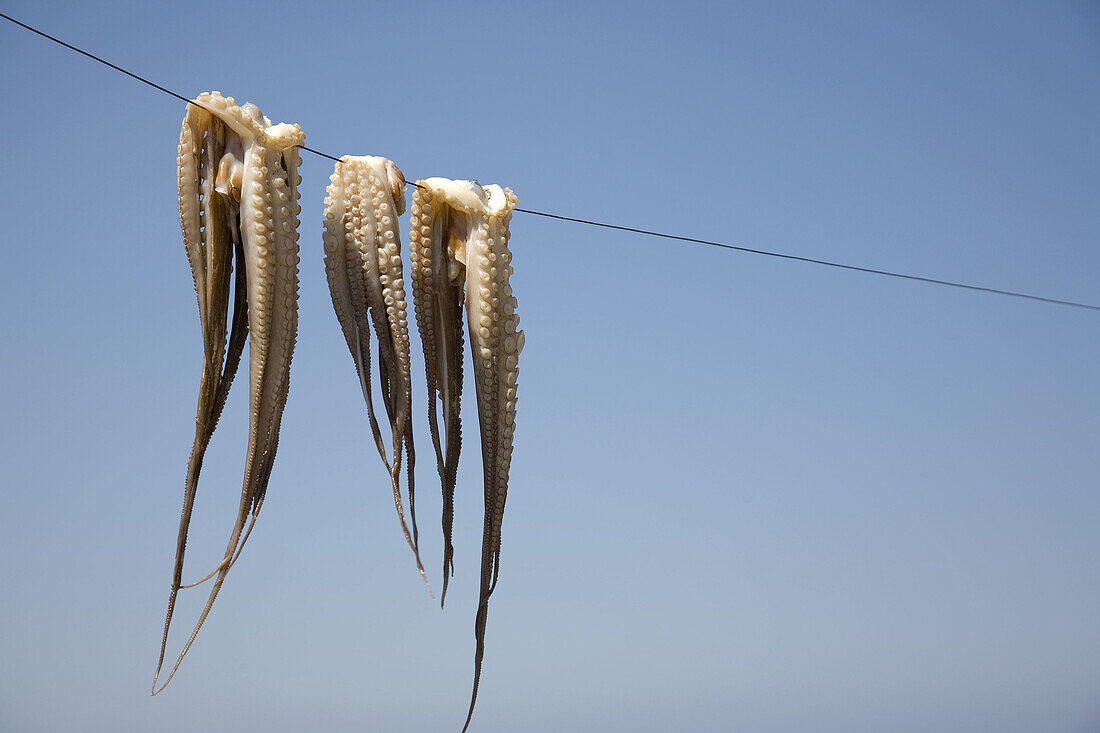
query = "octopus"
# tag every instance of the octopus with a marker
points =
(363, 264)
(459, 252)
(237, 175)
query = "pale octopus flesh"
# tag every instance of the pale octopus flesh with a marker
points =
(238, 198)
(459, 250)
(366, 194)
(238, 181)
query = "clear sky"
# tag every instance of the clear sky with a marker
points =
(747, 494)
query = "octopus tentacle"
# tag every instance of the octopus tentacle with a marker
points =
(242, 187)
(388, 186)
(237, 337)
(188, 163)
(344, 271)
(496, 343)
(461, 255)
(363, 267)
(437, 299)
(209, 241)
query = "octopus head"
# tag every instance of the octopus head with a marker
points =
(466, 196)
(284, 136)
(252, 112)
(499, 201)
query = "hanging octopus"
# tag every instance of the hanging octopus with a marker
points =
(459, 250)
(363, 265)
(238, 199)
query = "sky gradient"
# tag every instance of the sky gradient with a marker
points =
(747, 494)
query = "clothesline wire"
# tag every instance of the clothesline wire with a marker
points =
(634, 230)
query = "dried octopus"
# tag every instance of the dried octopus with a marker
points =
(238, 180)
(363, 264)
(238, 198)
(459, 249)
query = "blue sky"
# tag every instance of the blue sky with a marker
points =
(747, 494)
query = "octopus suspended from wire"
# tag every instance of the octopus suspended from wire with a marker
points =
(238, 183)
(363, 264)
(459, 250)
